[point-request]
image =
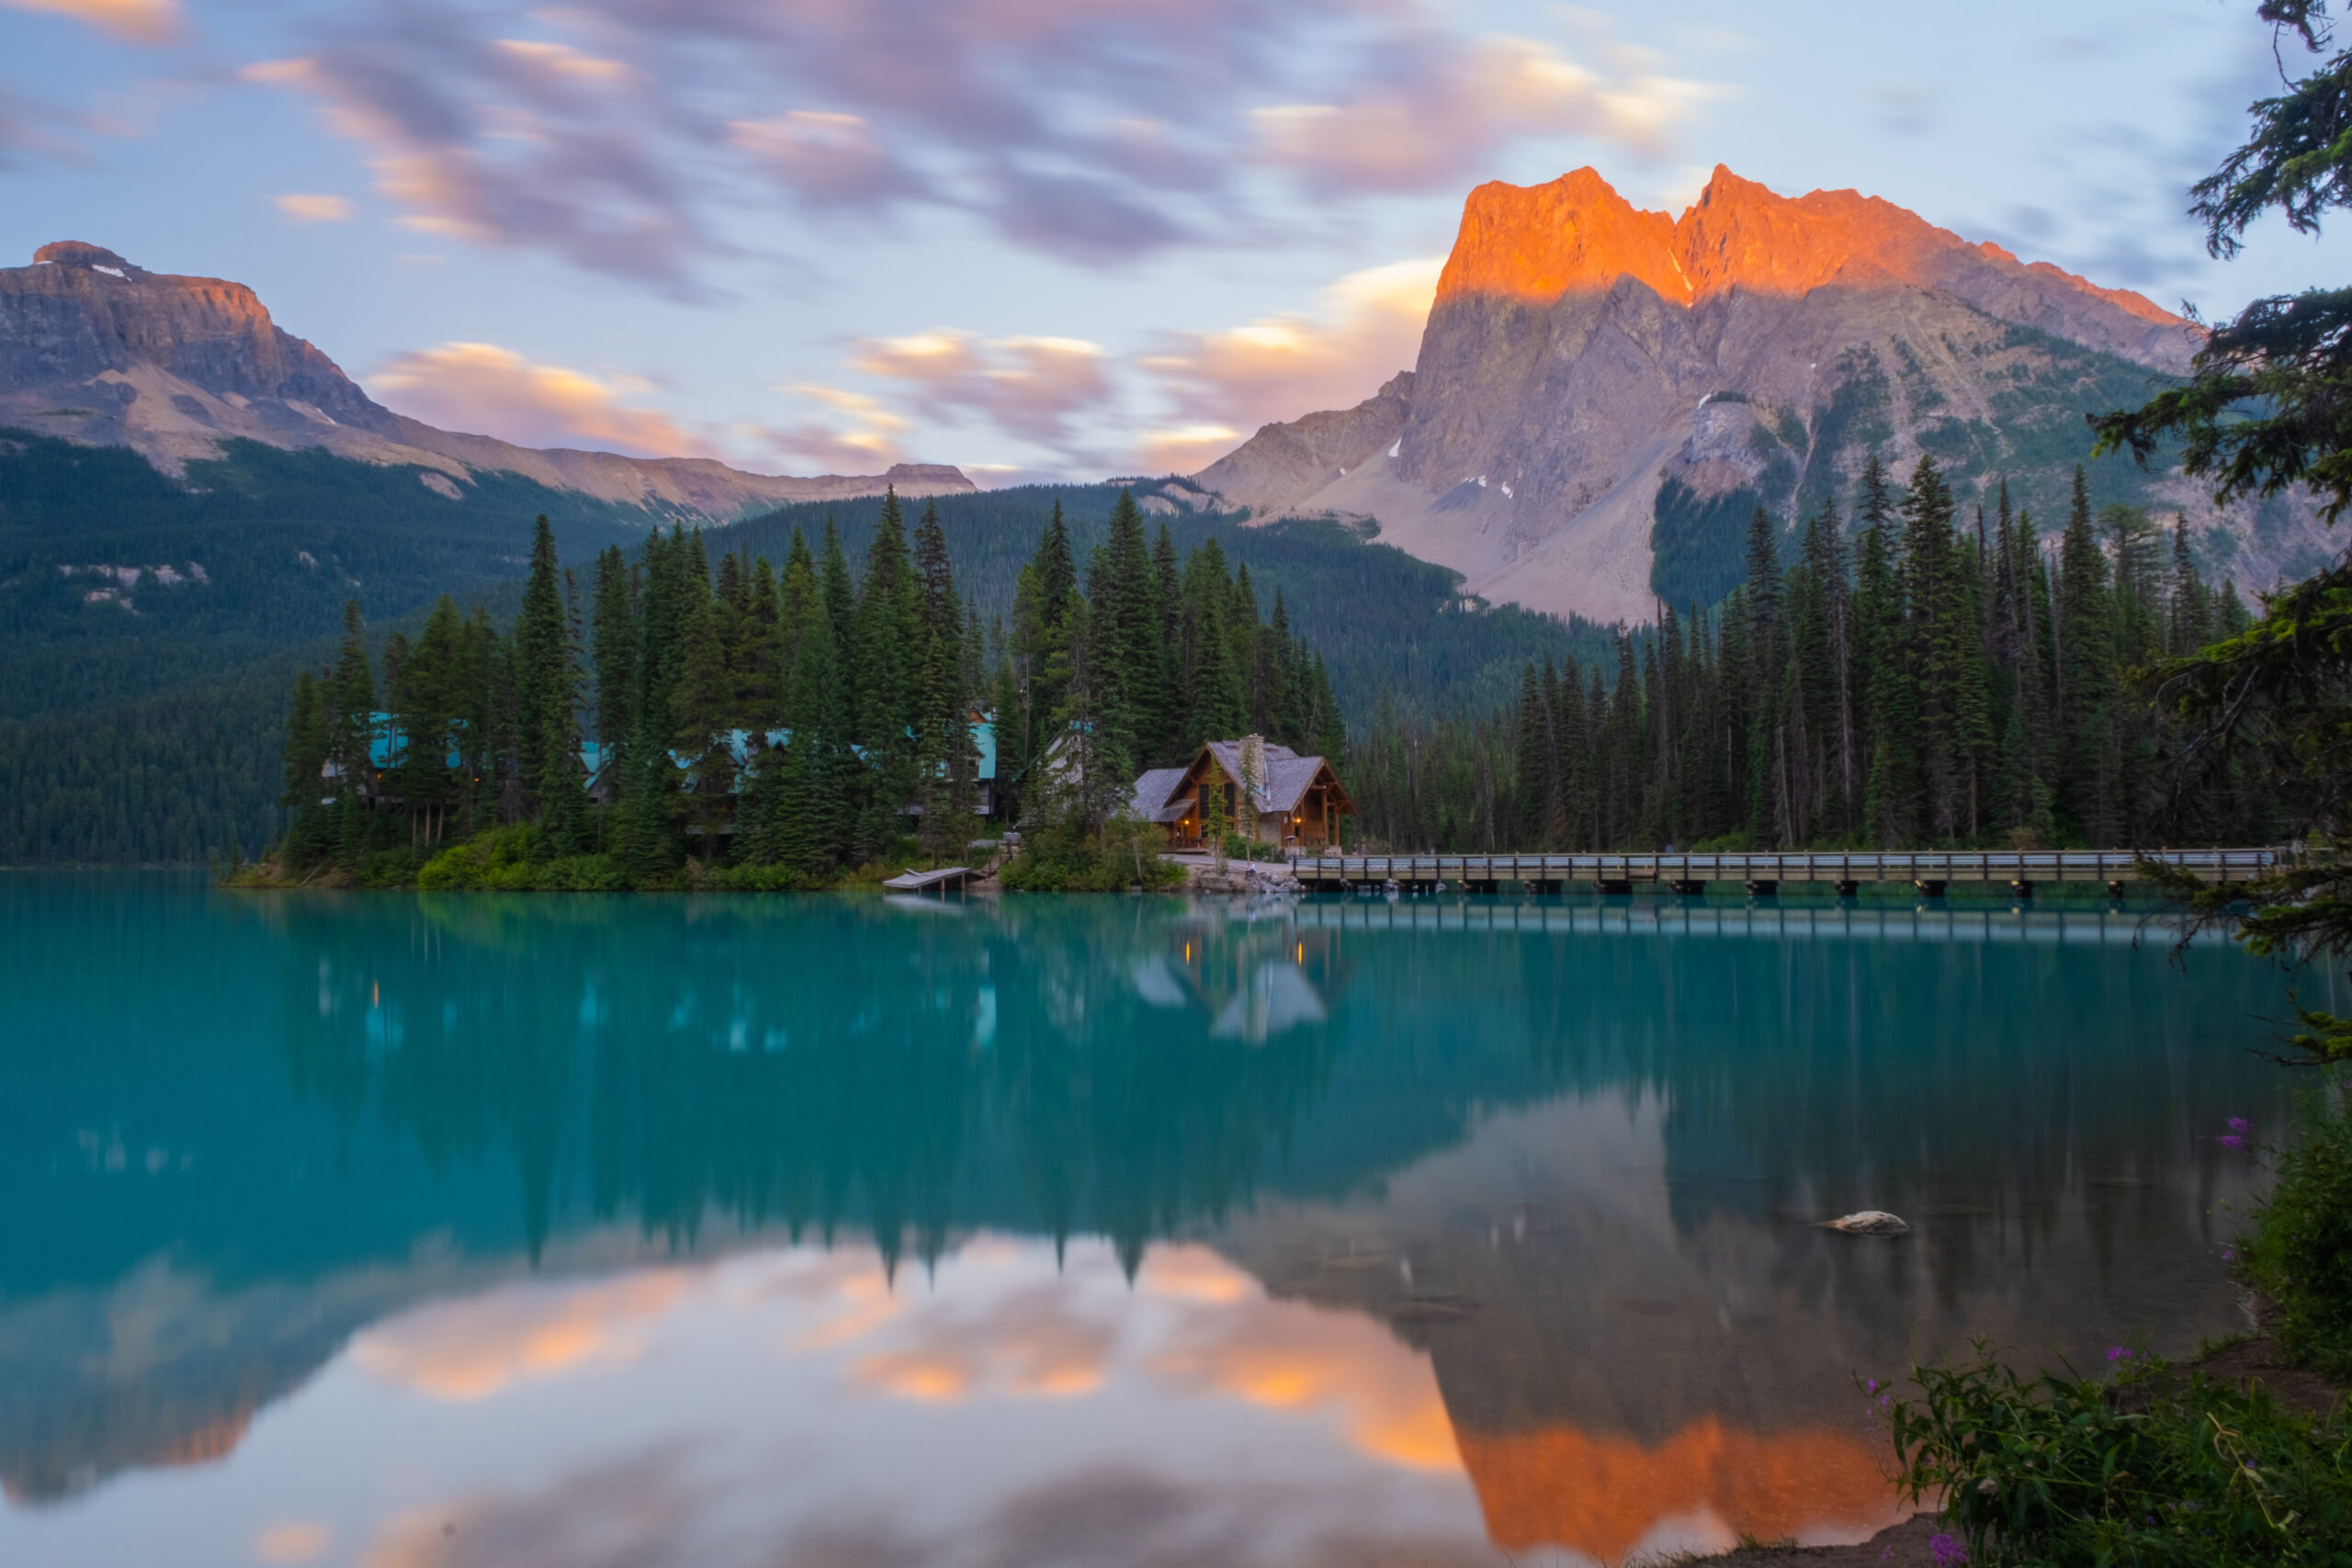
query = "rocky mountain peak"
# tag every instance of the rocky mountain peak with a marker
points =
(1577, 233)
(81, 253)
(1604, 395)
(95, 349)
(1541, 241)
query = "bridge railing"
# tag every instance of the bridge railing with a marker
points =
(1933, 865)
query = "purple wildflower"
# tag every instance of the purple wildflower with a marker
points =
(2119, 1353)
(2231, 1140)
(2229, 1254)
(1949, 1553)
(2240, 1124)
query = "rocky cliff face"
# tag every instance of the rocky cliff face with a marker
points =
(97, 350)
(1602, 390)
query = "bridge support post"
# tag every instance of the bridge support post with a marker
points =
(1930, 887)
(1543, 885)
(1763, 889)
(1688, 888)
(1848, 889)
(1612, 885)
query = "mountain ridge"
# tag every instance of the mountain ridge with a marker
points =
(102, 352)
(1591, 373)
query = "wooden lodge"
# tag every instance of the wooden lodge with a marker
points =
(1266, 793)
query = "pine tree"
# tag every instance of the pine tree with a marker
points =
(2087, 761)
(945, 757)
(617, 648)
(888, 645)
(351, 738)
(539, 653)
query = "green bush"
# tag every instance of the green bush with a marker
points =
(390, 868)
(1055, 862)
(1238, 848)
(2150, 1465)
(2299, 1253)
(502, 857)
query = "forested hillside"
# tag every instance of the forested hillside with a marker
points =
(1928, 677)
(150, 629)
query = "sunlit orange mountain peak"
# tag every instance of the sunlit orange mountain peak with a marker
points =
(1539, 243)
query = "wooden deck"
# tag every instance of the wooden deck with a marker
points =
(2020, 870)
(950, 879)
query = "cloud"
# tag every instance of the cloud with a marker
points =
(1284, 1355)
(466, 1351)
(1442, 107)
(133, 21)
(24, 123)
(827, 159)
(293, 1542)
(635, 138)
(308, 208)
(861, 438)
(1031, 387)
(1224, 385)
(481, 387)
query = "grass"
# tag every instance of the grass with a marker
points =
(2150, 1464)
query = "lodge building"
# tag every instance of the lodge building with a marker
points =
(1264, 792)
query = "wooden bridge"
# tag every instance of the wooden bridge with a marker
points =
(1931, 871)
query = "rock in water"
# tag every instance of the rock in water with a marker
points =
(1868, 1222)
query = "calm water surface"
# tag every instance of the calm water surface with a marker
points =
(422, 1232)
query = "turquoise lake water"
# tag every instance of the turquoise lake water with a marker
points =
(789, 1232)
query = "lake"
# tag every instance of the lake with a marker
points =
(451, 1231)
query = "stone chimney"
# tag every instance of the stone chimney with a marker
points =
(1253, 767)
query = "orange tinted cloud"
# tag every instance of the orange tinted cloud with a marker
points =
(293, 1542)
(480, 387)
(304, 208)
(1228, 383)
(135, 21)
(1030, 1344)
(469, 1350)
(1292, 1357)
(1410, 131)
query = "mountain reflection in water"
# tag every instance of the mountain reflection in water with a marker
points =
(615, 1230)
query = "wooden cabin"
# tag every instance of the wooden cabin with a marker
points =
(1296, 801)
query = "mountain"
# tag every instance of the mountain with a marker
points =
(101, 352)
(1605, 394)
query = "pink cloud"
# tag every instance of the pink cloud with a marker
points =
(1031, 387)
(1448, 104)
(480, 387)
(625, 135)
(471, 1350)
(1224, 385)
(133, 21)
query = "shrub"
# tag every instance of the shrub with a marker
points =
(499, 858)
(2299, 1253)
(1238, 848)
(1059, 862)
(2147, 1466)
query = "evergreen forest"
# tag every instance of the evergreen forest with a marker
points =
(1920, 679)
(141, 712)
(676, 719)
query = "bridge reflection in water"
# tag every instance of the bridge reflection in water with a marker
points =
(789, 1231)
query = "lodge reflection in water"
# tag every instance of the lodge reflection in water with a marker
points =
(1566, 1170)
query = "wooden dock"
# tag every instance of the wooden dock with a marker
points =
(950, 879)
(1931, 871)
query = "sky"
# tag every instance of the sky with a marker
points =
(1038, 239)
